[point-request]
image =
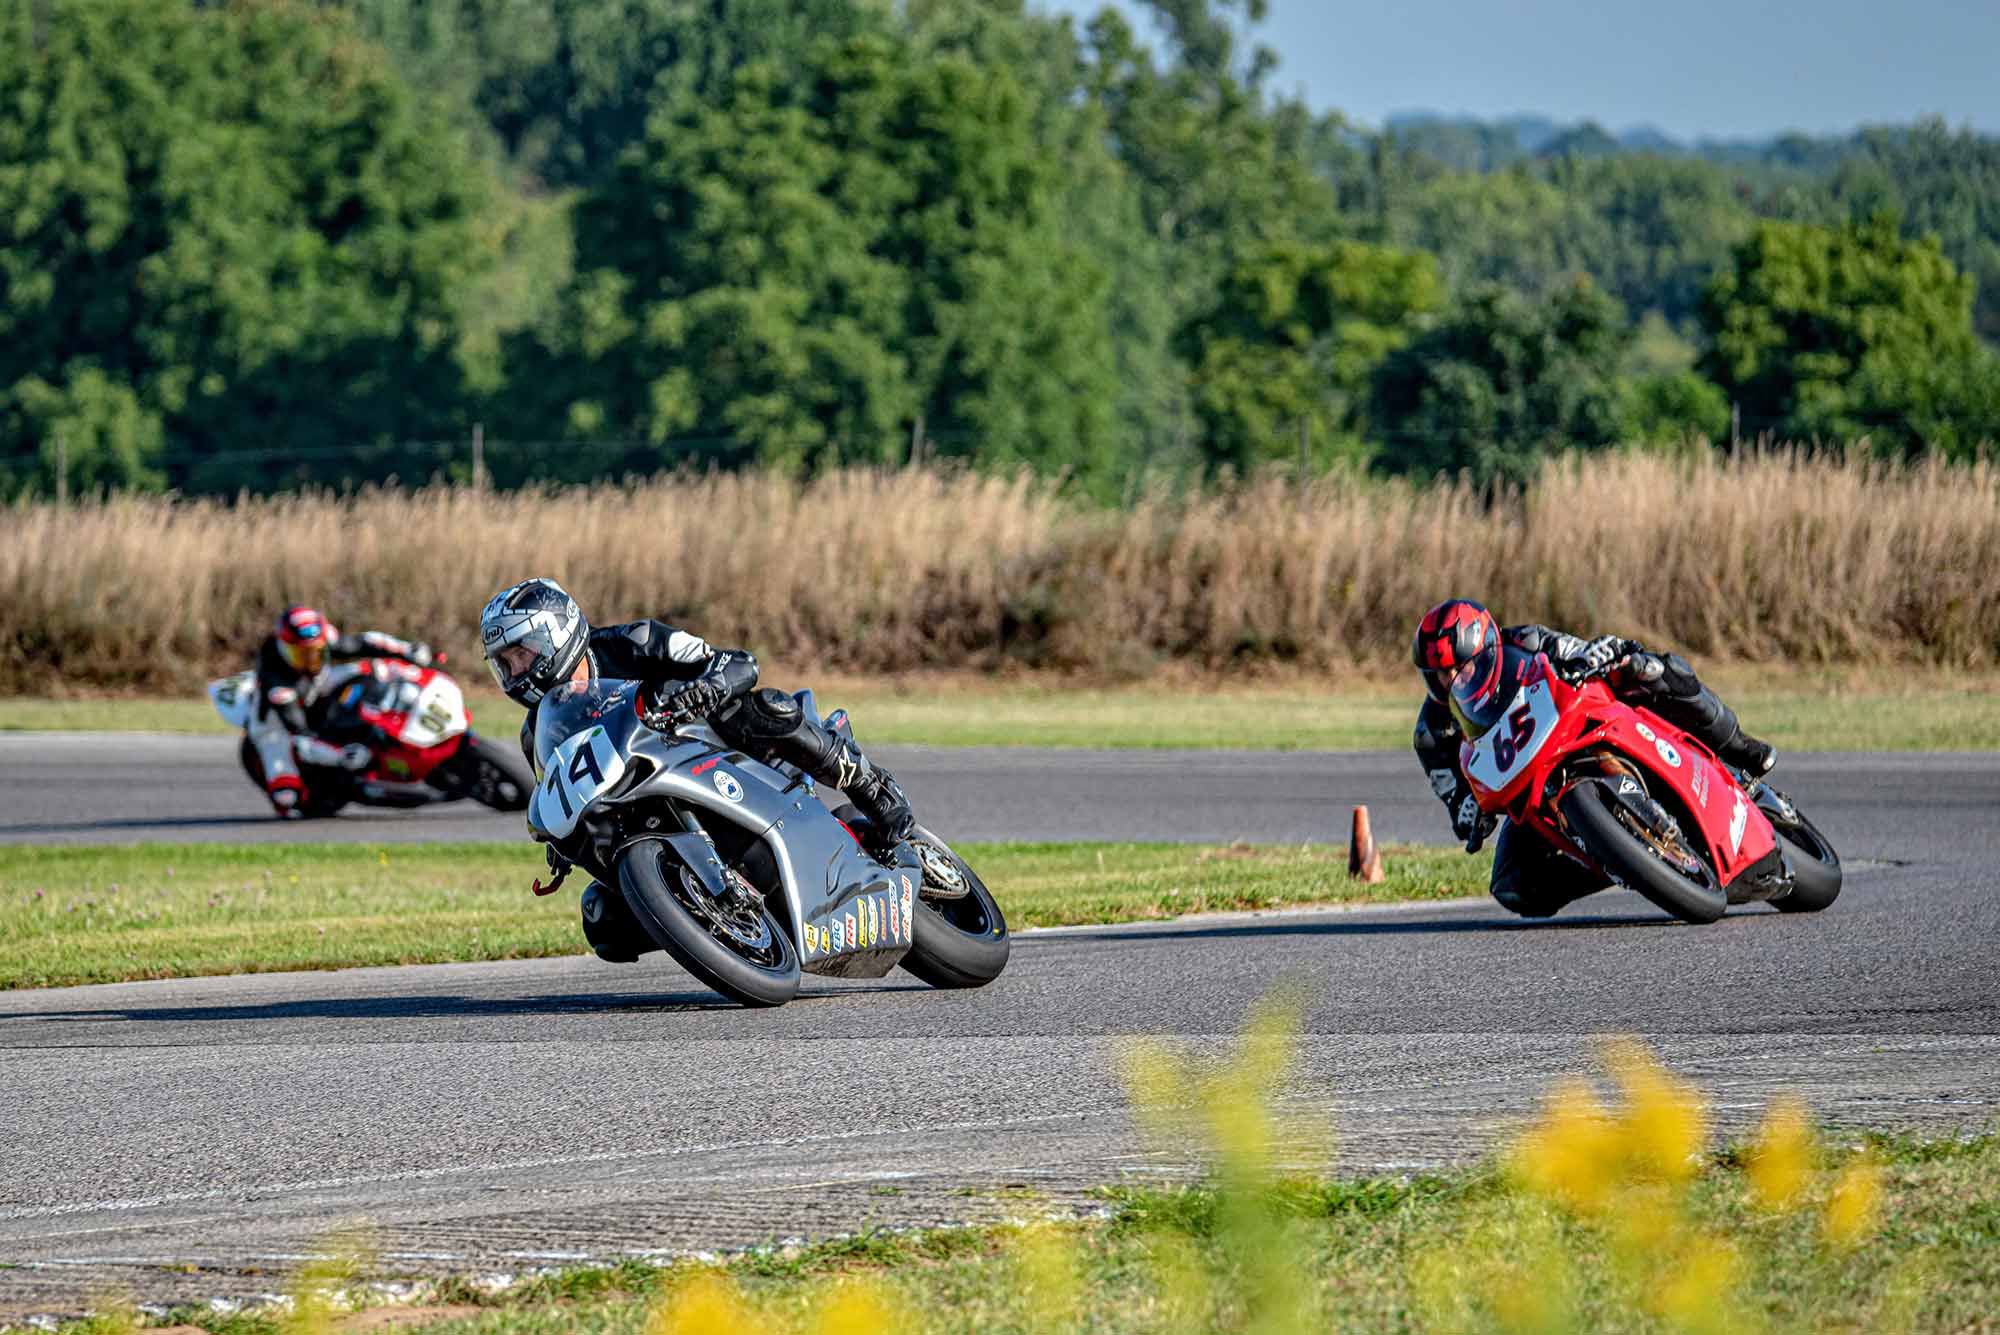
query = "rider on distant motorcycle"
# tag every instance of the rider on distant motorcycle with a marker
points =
(1529, 876)
(288, 666)
(536, 639)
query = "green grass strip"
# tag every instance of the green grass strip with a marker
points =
(111, 914)
(1361, 1253)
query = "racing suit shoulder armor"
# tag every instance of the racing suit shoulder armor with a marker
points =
(655, 652)
(1537, 639)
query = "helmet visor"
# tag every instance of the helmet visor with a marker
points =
(308, 655)
(1476, 697)
(514, 664)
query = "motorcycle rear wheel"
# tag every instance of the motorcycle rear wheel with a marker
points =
(1587, 808)
(958, 942)
(746, 956)
(493, 774)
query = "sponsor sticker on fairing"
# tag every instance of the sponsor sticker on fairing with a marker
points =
(1668, 756)
(726, 784)
(839, 937)
(906, 904)
(895, 925)
(1699, 782)
(853, 938)
(1739, 821)
(874, 920)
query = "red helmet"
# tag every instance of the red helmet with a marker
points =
(303, 635)
(1452, 635)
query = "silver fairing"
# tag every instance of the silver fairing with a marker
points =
(848, 914)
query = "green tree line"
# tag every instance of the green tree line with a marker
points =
(265, 243)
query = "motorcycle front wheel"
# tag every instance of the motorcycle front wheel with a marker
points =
(1688, 890)
(737, 948)
(1815, 866)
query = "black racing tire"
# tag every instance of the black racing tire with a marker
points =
(324, 794)
(957, 943)
(659, 890)
(494, 774)
(1587, 809)
(321, 803)
(1816, 874)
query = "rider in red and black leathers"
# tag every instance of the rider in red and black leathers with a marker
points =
(285, 687)
(1530, 876)
(280, 734)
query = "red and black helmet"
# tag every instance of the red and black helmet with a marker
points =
(1452, 635)
(303, 635)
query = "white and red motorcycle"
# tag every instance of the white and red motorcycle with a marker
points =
(383, 733)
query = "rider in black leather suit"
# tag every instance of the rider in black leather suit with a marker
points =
(536, 638)
(1530, 877)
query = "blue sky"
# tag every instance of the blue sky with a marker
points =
(1699, 67)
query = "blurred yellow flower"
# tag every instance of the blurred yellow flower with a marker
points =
(1781, 1158)
(1856, 1200)
(705, 1305)
(858, 1308)
(1571, 1154)
(1665, 1124)
(1694, 1289)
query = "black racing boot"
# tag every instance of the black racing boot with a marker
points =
(878, 796)
(1746, 753)
(769, 722)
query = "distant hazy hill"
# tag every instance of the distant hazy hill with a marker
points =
(1471, 144)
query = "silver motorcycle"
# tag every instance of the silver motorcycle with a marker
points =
(735, 866)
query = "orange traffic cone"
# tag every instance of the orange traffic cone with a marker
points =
(1364, 860)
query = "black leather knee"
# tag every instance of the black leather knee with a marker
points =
(761, 716)
(770, 723)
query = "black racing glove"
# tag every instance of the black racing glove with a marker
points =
(689, 700)
(1600, 657)
(1470, 824)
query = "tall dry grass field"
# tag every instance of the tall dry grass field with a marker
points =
(1829, 559)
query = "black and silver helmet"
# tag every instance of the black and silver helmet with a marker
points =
(533, 635)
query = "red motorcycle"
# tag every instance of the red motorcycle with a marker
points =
(405, 728)
(1617, 788)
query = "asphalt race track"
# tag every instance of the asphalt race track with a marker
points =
(63, 788)
(488, 1119)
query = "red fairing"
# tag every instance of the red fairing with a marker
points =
(1552, 723)
(399, 761)
(1736, 832)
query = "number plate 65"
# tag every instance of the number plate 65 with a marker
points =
(578, 771)
(1499, 757)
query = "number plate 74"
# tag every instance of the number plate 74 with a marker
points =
(578, 771)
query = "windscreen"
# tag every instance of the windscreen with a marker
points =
(568, 710)
(1482, 699)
